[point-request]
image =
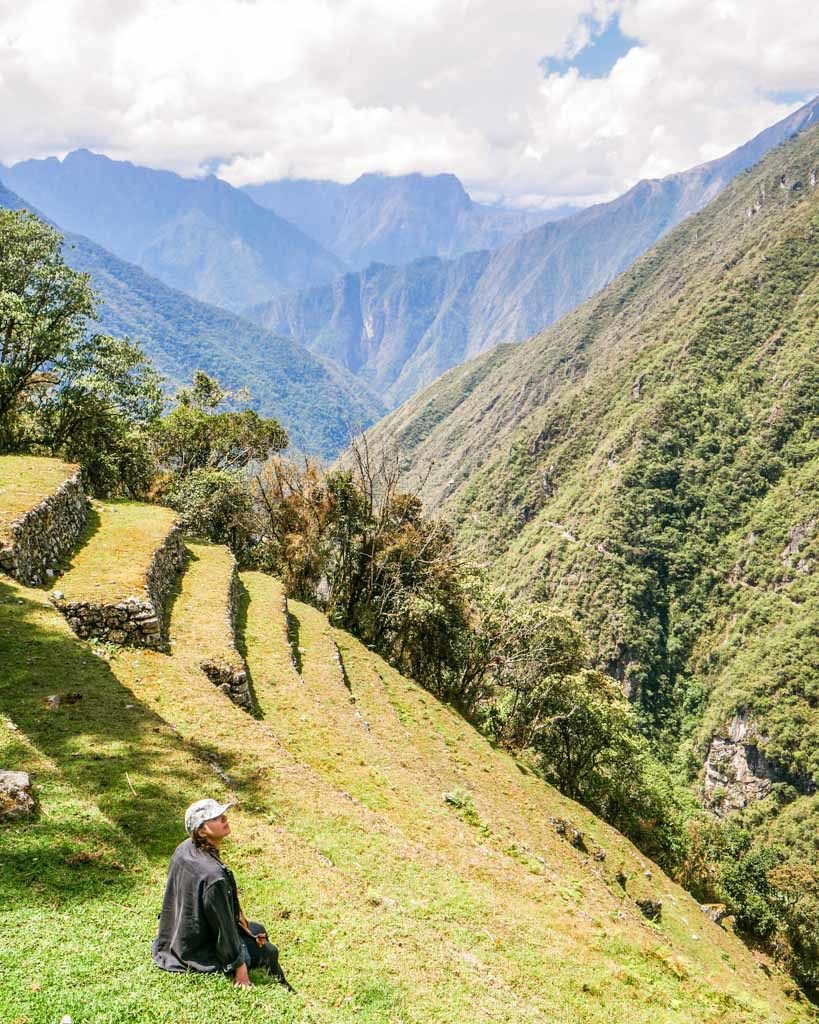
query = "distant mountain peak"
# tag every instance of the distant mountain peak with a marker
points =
(424, 320)
(232, 252)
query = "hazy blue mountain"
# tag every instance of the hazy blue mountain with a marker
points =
(394, 220)
(400, 328)
(316, 400)
(199, 235)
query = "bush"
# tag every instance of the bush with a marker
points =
(214, 504)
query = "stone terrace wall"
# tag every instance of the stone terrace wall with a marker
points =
(135, 621)
(45, 534)
(229, 672)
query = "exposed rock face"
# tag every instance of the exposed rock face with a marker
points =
(736, 771)
(716, 912)
(229, 672)
(40, 538)
(135, 621)
(16, 797)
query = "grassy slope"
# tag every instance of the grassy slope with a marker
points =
(388, 903)
(115, 551)
(25, 482)
(205, 627)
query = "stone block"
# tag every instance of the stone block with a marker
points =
(16, 796)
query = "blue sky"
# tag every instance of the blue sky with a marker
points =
(598, 56)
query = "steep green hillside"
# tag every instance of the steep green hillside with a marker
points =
(317, 401)
(650, 464)
(399, 328)
(407, 870)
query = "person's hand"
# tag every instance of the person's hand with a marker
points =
(261, 939)
(241, 979)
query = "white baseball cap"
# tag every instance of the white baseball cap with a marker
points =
(200, 812)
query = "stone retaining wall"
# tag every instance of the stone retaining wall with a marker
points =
(135, 621)
(41, 537)
(228, 671)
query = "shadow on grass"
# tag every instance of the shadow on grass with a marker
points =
(242, 607)
(106, 741)
(344, 676)
(294, 639)
(68, 855)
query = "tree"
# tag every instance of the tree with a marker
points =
(194, 435)
(44, 309)
(585, 736)
(103, 397)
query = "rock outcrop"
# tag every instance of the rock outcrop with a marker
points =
(16, 797)
(137, 621)
(737, 772)
(41, 537)
(228, 670)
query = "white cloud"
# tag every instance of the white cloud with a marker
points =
(333, 88)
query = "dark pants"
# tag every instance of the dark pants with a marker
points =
(263, 956)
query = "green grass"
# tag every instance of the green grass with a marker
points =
(115, 551)
(25, 482)
(387, 904)
(200, 617)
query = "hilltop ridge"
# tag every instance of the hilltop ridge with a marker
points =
(396, 219)
(198, 235)
(400, 328)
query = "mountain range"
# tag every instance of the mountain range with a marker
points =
(200, 236)
(318, 402)
(394, 220)
(650, 464)
(399, 328)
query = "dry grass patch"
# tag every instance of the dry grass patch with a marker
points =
(25, 481)
(115, 551)
(200, 620)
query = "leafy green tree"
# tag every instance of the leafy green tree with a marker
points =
(103, 398)
(585, 736)
(85, 397)
(44, 309)
(196, 435)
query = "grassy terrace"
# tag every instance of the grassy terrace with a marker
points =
(24, 482)
(200, 612)
(115, 551)
(389, 905)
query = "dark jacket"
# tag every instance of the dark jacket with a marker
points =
(199, 923)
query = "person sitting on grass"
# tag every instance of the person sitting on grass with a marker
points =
(202, 927)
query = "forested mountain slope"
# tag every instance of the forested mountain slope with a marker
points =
(315, 400)
(651, 465)
(384, 219)
(400, 328)
(201, 236)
